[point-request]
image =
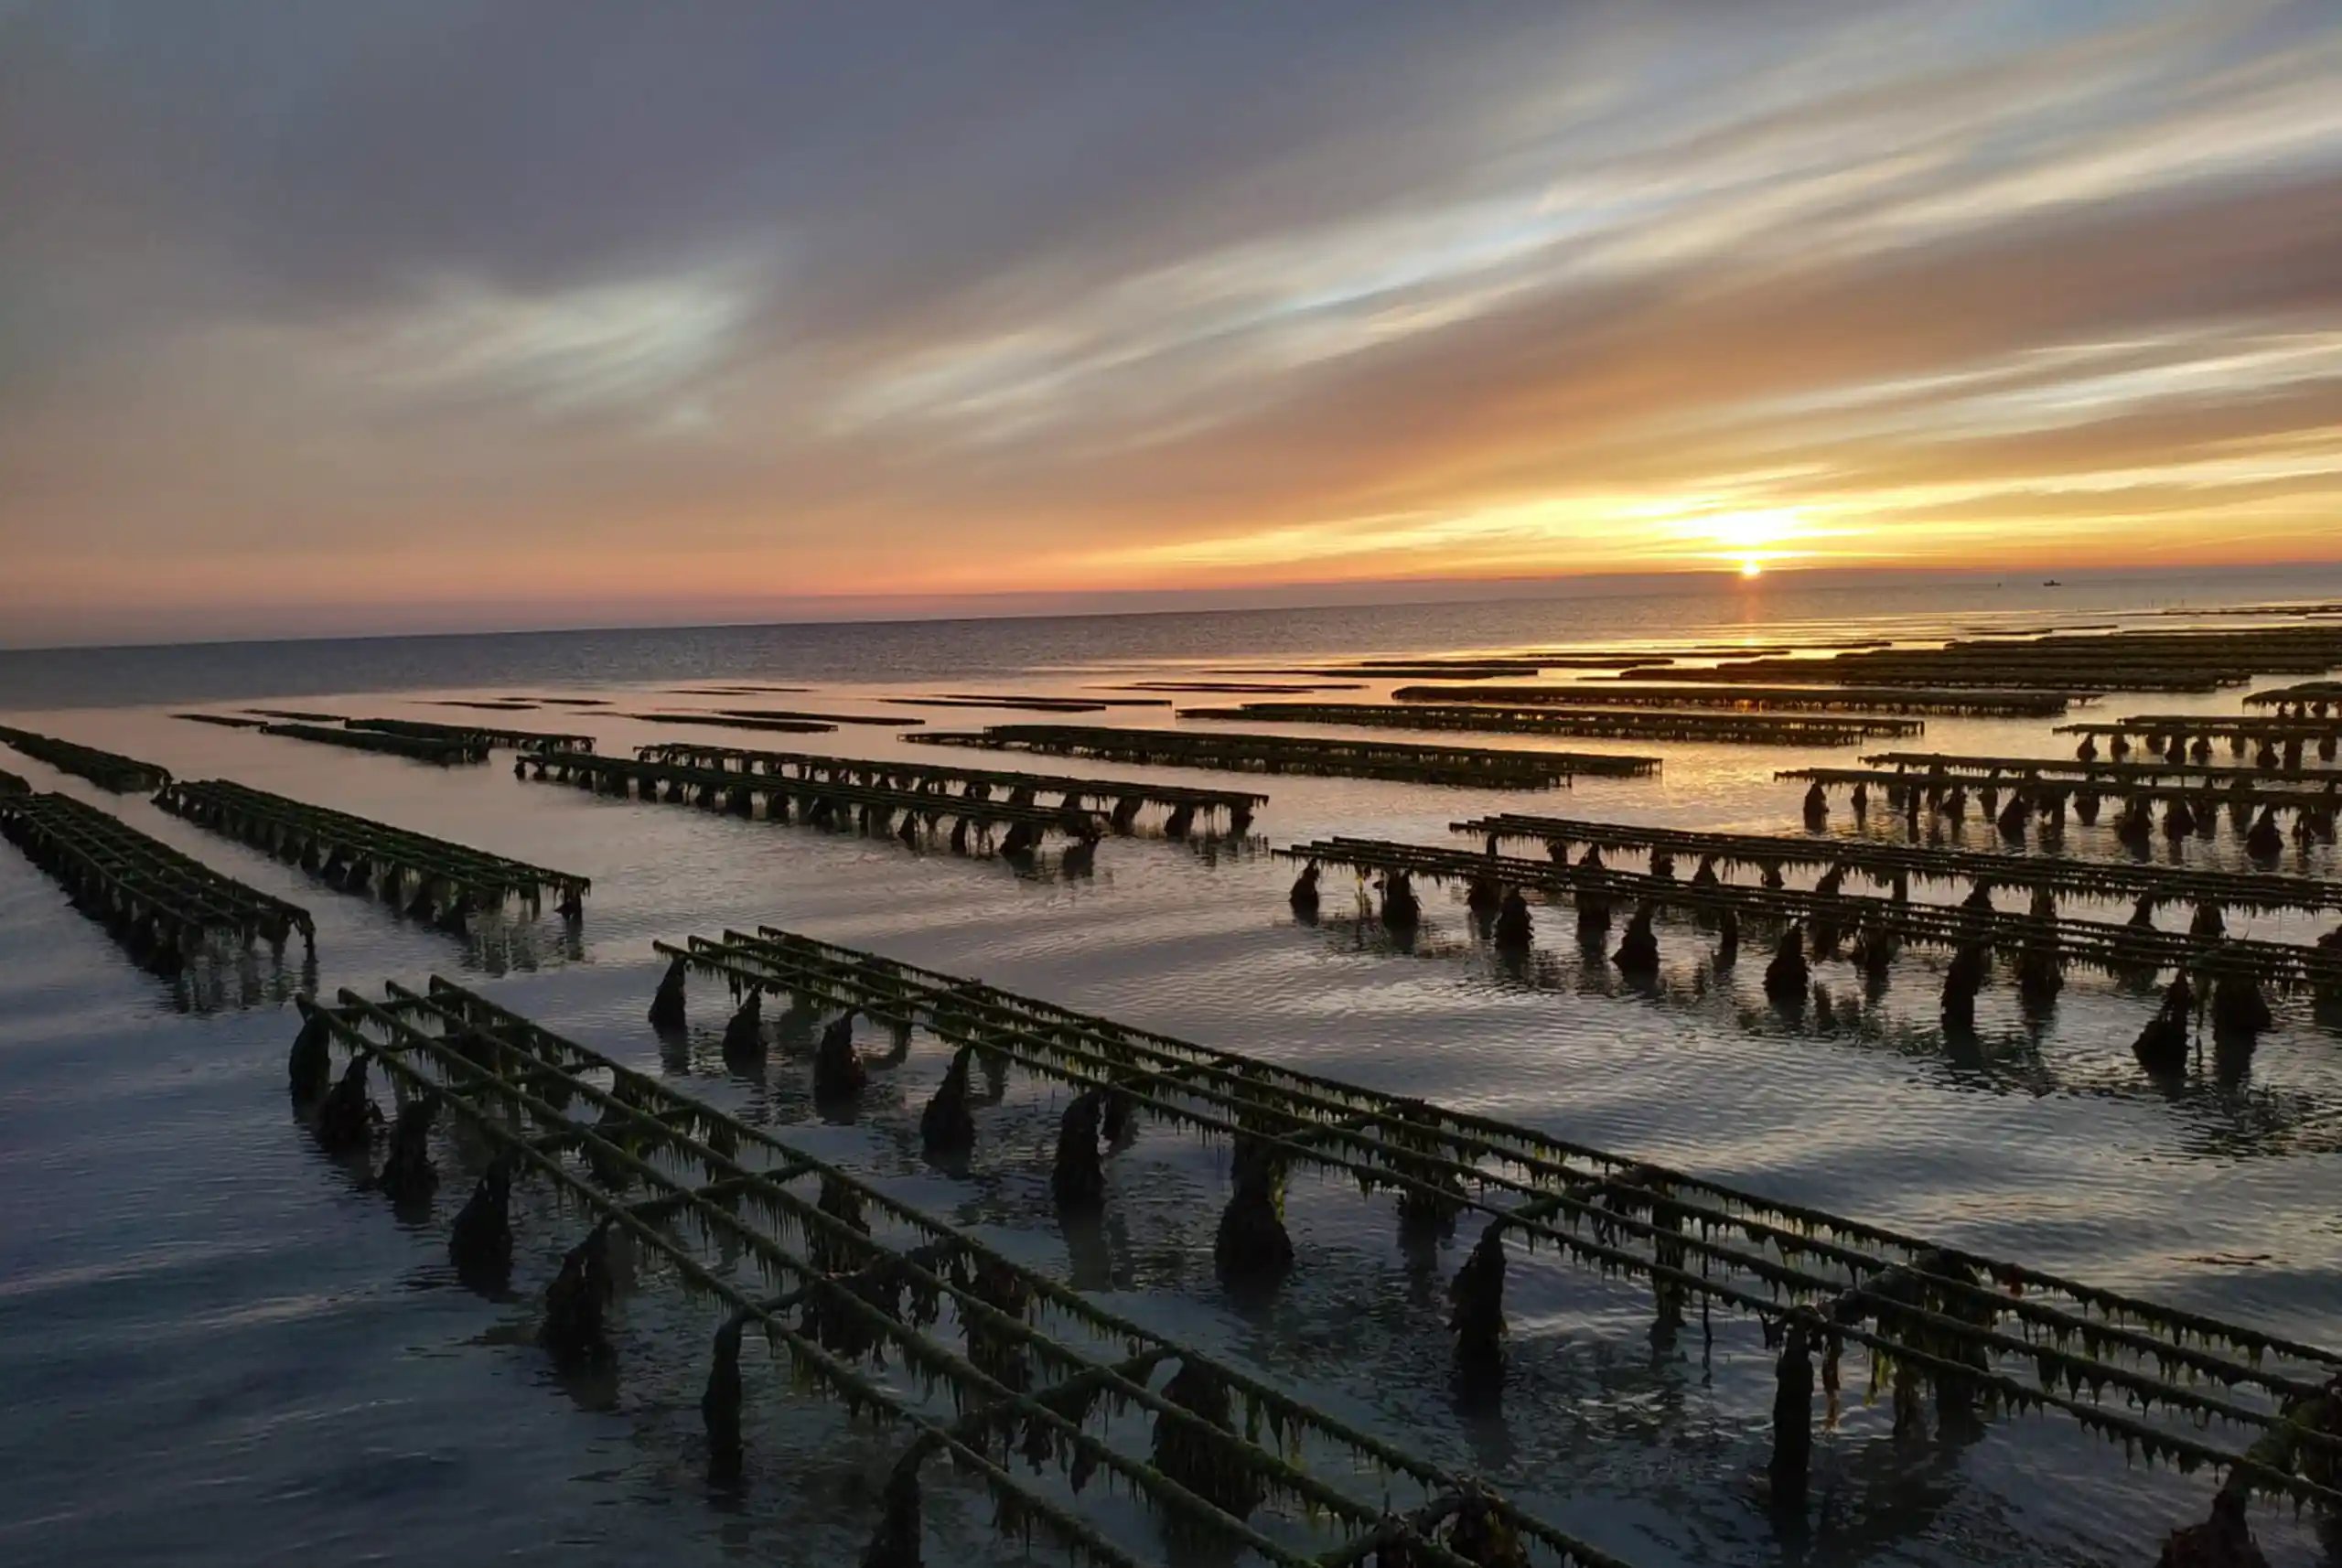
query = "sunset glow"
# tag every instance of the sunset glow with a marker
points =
(1767, 289)
(1754, 538)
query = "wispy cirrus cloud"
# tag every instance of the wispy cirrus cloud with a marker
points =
(1035, 297)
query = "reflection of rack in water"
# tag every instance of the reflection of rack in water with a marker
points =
(106, 770)
(166, 908)
(1833, 917)
(2216, 1103)
(245, 980)
(1982, 1331)
(1884, 864)
(2208, 775)
(2306, 700)
(822, 803)
(1776, 698)
(451, 882)
(1126, 795)
(2157, 731)
(1591, 724)
(441, 751)
(2136, 660)
(1023, 1355)
(1411, 761)
(1034, 702)
(2194, 807)
(222, 721)
(497, 947)
(511, 739)
(715, 721)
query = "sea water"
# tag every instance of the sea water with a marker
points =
(216, 1348)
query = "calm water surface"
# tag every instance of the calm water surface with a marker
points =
(215, 1349)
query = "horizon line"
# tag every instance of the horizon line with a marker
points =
(1333, 594)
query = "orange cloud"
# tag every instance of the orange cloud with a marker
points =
(1563, 295)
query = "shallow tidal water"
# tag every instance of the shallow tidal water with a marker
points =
(216, 1348)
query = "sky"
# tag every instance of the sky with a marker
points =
(337, 314)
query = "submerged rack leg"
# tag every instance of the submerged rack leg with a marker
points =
(1079, 1178)
(310, 1065)
(1196, 1461)
(479, 1244)
(947, 1126)
(1476, 1310)
(896, 1543)
(408, 1176)
(1251, 1250)
(1792, 1422)
(719, 1406)
(667, 1012)
(573, 1325)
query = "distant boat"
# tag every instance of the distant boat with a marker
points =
(2052, 583)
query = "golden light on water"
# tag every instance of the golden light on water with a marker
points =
(1752, 567)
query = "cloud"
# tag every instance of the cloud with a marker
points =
(916, 298)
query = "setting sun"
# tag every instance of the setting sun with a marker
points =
(1746, 541)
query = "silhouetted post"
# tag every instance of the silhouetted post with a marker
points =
(1792, 1422)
